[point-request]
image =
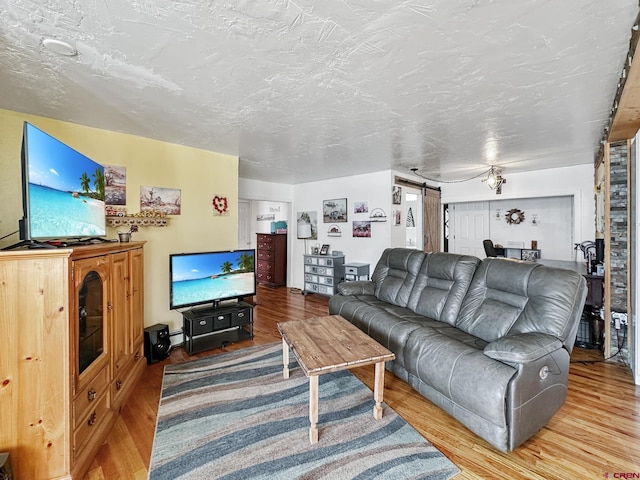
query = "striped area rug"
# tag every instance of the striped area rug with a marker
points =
(234, 416)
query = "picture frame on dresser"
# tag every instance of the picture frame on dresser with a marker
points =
(324, 250)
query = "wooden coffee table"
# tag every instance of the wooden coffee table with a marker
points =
(329, 344)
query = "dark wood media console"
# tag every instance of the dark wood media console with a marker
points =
(209, 327)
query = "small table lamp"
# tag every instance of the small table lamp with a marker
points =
(304, 232)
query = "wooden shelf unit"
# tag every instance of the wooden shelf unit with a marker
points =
(57, 406)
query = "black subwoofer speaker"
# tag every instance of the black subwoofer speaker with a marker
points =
(157, 343)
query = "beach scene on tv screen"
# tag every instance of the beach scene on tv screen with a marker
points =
(206, 277)
(66, 190)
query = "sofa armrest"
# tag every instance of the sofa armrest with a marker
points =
(358, 287)
(522, 347)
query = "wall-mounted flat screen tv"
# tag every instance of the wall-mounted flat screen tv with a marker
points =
(63, 190)
(211, 277)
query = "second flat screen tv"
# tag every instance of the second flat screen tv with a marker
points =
(210, 277)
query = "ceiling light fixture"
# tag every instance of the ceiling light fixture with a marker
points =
(494, 179)
(59, 47)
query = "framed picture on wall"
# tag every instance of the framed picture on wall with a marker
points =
(334, 211)
(361, 207)
(362, 229)
(396, 195)
(307, 225)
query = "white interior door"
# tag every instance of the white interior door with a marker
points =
(244, 224)
(470, 223)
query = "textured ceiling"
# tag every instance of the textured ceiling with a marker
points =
(310, 89)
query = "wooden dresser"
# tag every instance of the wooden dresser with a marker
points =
(271, 266)
(73, 324)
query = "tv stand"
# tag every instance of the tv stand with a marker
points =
(214, 327)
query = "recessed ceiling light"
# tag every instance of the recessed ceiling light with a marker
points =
(60, 47)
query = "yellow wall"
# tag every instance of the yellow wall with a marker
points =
(199, 174)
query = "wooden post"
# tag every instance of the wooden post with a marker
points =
(378, 390)
(285, 359)
(313, 409)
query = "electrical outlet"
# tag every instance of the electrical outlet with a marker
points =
(618, 319)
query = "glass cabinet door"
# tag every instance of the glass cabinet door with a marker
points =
(91, 330)
(92, 311)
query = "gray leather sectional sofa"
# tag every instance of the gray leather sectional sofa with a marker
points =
(487, 341)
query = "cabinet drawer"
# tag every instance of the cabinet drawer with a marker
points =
(222, 320)
(241, 317)
(90, 423)
(327, 262)
(318, 270)
(88, 396)
(124, 380)
(310, 260)
(266, 255)
(325, 280)
(349, 269)
(264, 266)
(264, 276)
(265, 242)
(319, 288)
(310, 278)
(311, 287)
(198, 326)
(325, 289)
(206, 324)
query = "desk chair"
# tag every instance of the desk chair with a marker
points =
(489, 249)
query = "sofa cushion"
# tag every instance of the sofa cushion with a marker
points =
(440, 285)
(509, 296)
(496, 298)
(454, 364)
(395, 274)
(388, 324)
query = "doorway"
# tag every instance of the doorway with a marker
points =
(244, 224)
(413, 223)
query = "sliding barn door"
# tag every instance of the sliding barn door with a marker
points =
(432, 231)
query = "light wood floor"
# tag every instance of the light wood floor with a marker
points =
(595, 435)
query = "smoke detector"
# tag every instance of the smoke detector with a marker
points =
(59, 47)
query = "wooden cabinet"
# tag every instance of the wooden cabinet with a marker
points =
(128, 353)
(322, 273)
(271, 264)
(73, 324)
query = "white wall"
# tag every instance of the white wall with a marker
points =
(374, 188)
(258, 190)
(281, 211)
(552, 230)
(576, 181)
